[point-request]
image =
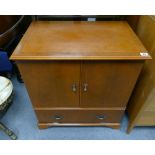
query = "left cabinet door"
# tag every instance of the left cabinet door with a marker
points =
(51, 83)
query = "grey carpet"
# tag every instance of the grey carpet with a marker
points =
(22, 120)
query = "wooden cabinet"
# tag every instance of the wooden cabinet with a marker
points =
(80, 73)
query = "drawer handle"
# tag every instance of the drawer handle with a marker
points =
(100, 117)
(85, 87)
(74, 87)
(57, 117)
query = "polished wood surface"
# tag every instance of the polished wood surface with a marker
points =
(7, 21)
(52, 91)
(79, 116)
(50, 84)
(109, 83)
(79, 40)
(144, 93)
(11, 27)
(74, 69)
(133, 21)
(47, 125)
(147, 118)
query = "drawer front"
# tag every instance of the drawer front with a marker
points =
(79, 116)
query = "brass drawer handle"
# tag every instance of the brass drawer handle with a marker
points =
(74, 87)
(85, 87)
(57, 117)
(100, 117)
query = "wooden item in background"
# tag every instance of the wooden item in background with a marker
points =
(141, 108)
(133, 21)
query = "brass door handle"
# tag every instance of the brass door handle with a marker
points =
(85, 87)
(74, 87)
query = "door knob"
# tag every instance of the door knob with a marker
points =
(74, 87)
(85, 87)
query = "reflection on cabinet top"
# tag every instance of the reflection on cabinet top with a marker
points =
(108, 40)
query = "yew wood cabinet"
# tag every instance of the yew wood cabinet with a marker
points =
(80, 73)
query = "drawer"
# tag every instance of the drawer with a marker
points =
(79, 116)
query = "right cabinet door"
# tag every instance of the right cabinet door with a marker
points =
(108, 83)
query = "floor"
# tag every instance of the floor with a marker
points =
(22, 120)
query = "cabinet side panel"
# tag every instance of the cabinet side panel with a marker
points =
(143, 95)
(147, 119)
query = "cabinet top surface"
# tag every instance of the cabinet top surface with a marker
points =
(108, 40)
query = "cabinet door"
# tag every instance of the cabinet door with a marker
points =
(108, 83)
(52, 83)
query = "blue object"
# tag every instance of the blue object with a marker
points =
(5, 64)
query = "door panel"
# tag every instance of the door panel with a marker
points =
(51, 83)
(108, 83)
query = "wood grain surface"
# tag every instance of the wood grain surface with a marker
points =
(79, 40)
(109, 83)
(143, 98)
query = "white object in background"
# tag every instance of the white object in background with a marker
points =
(6, 89)
(91, 19)
(144, 54)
